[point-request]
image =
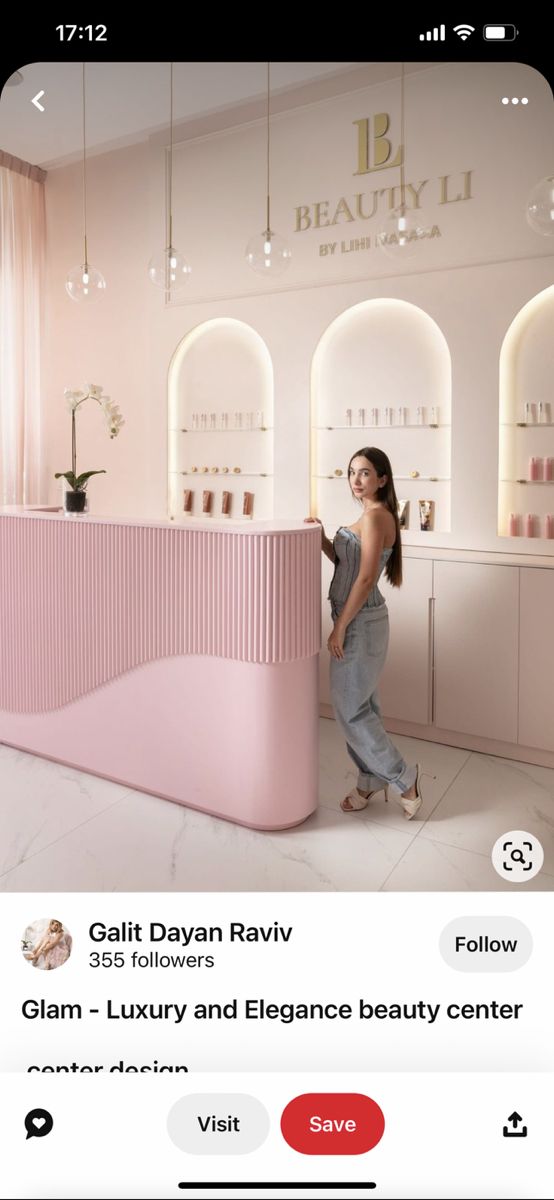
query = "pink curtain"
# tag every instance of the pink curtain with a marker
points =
(22, 254)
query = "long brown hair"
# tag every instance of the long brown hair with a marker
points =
(386, 495)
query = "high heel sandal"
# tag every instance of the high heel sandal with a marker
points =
(412, 807)
(358, 802)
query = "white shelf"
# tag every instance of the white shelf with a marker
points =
(380, 428)
(190, 518)
(527, 424)
(257, 429)
(225, 474)
(407, 478)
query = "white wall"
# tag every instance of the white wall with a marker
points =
(472, 280)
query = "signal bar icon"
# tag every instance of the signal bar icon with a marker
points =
(434, 35)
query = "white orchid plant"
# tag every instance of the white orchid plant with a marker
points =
(114, 421)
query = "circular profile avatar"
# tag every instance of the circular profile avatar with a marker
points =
(46, 944)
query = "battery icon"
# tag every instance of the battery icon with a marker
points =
(500, 33)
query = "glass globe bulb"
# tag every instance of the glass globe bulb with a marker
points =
(85, 284)
(401, 231)
(540, 207)
(169, 270)
(267, 253)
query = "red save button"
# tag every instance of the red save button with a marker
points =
(332, 1123)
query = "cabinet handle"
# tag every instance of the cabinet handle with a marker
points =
(431, 662)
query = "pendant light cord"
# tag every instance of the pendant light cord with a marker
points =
(402, 143)
(268, 226)
(84, 169)
(170, 172)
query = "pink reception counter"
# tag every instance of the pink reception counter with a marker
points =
(179, 659)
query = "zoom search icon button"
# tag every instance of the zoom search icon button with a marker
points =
(517, 856)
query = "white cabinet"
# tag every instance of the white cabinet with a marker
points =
(471, 651)
(536, 675)
(405, 688)
(476, 649)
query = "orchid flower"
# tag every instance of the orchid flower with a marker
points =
(114, 421)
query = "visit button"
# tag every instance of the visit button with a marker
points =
(332, 1123)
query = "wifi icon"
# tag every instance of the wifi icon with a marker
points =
(464, 31)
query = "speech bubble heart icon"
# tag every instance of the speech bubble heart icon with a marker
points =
(38, 1122)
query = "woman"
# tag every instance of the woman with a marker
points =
(54, 946)
(358, 643)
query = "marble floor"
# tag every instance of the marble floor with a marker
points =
(63, 830)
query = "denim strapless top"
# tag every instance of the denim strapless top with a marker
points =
(348, 550)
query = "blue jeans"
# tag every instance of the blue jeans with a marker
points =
(354, 680)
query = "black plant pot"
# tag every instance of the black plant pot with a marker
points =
(74, 502)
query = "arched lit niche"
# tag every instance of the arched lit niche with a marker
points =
(220, 415)
(526, 416)
(381, 376)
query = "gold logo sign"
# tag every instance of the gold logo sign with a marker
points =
(377, 148)
(377, 151)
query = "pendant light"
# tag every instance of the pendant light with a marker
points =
(168, 269)
(267, 253)
(84, 283)
(400, 232)
(540, 207)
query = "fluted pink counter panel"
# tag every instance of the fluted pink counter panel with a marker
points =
(179, 660)
(83, 601)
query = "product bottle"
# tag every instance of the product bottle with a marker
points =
(530, 525)
(375, 416)
(534, 468)
(528, 413)
(348, 416)
(361, 416)
(434, 416)
(549, 525)
(548, 469)
(514, 525)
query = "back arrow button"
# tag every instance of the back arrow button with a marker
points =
(36, 100)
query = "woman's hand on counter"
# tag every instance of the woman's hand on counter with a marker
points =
(315, 521)
(326, 544)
